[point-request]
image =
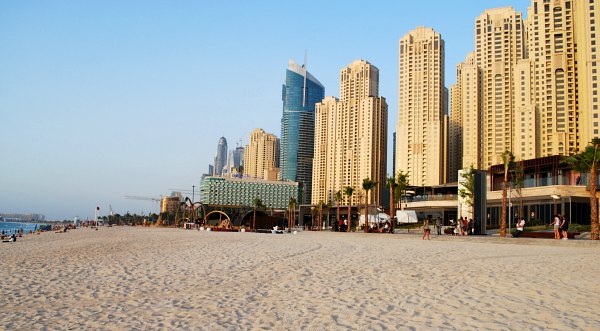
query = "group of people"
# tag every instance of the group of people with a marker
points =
(463, 227)
(561, 226)
(13, 237)
(427, 231)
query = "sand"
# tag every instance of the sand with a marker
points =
(147, 278)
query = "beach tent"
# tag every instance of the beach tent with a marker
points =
(374, 217)
(406, 216)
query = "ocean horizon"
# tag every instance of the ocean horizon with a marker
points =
(12, 227)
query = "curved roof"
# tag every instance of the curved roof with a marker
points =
(295, 67)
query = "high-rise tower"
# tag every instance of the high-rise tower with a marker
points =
(499, 46)
(261, 156)
(351, 137)
(221, 157)
(465, 112)
(300, 93)
(586, 36)
(421, 107)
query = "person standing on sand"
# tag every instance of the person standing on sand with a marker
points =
(564, 227)
(426, 230)
(438, 225)
(557, 221)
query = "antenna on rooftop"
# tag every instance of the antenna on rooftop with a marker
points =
(304, 88)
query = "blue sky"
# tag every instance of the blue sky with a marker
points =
(102, 99)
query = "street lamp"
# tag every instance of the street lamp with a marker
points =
(509, 207)
(193, 187)
(555, 197)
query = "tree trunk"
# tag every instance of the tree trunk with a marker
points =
(349, 215)
(253, 219)
(503, 217)
(401, 194)
(366, 212)
(594, 203)
(392, 210)
(338, 215)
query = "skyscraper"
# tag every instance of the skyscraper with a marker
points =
(552, 47)
(422, 104)
(238, 157)
(586, 37)
(300, 93)
(499, 46)
(465, 113)
(261, 156)
(221, 157)
(351, 137)
(538, 91)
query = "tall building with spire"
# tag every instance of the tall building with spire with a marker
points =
(351, 137)
(300, 93)
(422, 105)
(221, 157)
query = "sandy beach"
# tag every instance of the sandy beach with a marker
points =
(148, 278)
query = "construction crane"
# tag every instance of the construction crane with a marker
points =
(133, 197)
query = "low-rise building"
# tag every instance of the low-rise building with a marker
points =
(242, 191)
(546, 187)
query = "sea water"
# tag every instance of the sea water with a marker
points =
(12, 227)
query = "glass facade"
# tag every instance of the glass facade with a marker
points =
(241, 192)
(221, 158)
(297, 126)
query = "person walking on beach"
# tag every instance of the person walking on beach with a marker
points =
(557, 221)
(426, 230)
(564, 227)
(438, 226)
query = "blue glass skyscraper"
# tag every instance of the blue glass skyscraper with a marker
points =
(221, 158)
(300, 93)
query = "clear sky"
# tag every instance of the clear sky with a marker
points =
(102, 99)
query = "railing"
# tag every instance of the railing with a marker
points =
(435, 197)
(582, 180)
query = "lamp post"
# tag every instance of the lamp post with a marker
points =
(509, 207)
(193, 187)
(555, 197)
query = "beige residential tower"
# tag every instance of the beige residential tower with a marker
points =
(351, 137)
(261, 156)
(421, 108)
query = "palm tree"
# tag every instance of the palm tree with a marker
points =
(518, 181)
(391, 184)
(320, 207)
(589, 161)
(468, 187)
(292, 210)
(367, 185)
(328, 208)
(338, 198)
(348, 190)
(401, 185)
(256, 204)
(508, 161)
